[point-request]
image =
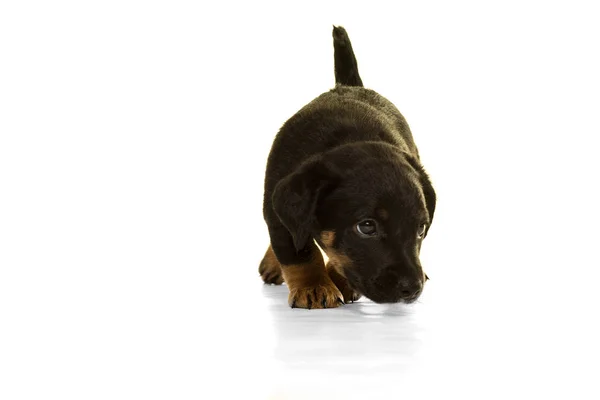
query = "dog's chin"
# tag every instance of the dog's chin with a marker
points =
(390, 299)
(384, 298)
(374, 293)
(387, 299)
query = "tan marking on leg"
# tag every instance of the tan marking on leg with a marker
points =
(310, 285)
(338, 260)
(335, 267)
(270, 268)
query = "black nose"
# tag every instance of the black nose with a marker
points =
(392, 285)
(410, 289)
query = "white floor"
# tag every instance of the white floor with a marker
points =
(133, 141)
(472, 345)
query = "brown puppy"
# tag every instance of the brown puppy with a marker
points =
(345, 172)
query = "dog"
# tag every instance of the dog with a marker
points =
(344, 172)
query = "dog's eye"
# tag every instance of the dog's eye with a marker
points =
(368, 227)
(421, 231)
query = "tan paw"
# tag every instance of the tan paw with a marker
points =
(350, 295)
(323, 295)
(270, 269)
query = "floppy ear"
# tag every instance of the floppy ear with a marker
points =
(428, 191)
(295, 198)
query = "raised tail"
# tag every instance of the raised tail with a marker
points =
(346, 68)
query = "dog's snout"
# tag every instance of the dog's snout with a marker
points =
(394, 286)
(410, 289)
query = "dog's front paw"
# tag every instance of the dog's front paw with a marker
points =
(350, 295)
(323, 295)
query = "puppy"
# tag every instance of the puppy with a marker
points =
(345, 172)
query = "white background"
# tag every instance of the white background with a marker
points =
(133, 141)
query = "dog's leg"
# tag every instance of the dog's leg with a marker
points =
(342, 284)
(270, 268)
(304, 273)
(334, 266)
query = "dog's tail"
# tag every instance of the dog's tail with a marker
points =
(346, 68)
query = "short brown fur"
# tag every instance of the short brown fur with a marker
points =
(327, 238)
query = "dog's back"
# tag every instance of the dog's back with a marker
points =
(345, 114)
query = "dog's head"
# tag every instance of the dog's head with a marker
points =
(369, 206)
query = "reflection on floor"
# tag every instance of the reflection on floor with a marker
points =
(429, 349)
